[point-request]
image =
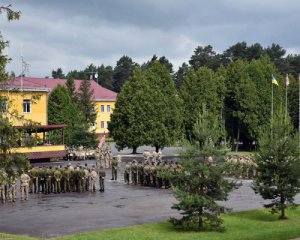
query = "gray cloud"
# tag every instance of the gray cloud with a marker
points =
(73, 34)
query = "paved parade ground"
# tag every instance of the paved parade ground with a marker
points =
(120, 205)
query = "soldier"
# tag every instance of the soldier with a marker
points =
(108, 157)
(101, 178)
(62, 182)
(153, 175)
(24, 186)
(134, 172)
(140, 173)
(114, 169)
(147, 174)
(33, 185)
(93, 176)
(86, 177)
(41, 179)
(57, 179)
(3, 176)
(48, 178)
(12, 195)
(127, 173)
(72, 178)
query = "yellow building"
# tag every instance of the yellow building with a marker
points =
(27, 97)
(104, 98)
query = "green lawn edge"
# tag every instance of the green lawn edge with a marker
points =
(255, 225)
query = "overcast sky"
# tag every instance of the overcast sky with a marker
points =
(71, 34)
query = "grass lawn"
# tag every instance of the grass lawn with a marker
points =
(254, 225)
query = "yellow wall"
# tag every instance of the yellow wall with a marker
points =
(38, 111)
(39, 149)
(103, 116)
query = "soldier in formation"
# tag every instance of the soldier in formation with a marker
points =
(150, 173)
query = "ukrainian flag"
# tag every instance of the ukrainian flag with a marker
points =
(274, 81)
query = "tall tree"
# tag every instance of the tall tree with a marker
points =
(105, 76)
(122, 72)
(129, 125)
(165, 113)
(70, 85)
(199, 183)
(61, 110)
(180, 75)
(278, 164)
(58, 73)
(204, 56)
(241, 102)
(9, 136)
(85, 103)
(200, 87)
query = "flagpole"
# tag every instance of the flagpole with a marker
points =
(272, 113)
(299, 111)
(286, 86)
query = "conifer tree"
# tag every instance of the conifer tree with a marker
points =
(85, 103)
(199, 183)
(278, 165)
(164, 114)
(129, 125)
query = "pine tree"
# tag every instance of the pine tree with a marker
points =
(85, 103)
(199, 183)
(278, 165)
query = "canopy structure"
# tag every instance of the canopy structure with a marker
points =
(43, 148)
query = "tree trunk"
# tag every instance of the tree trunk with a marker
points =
(200, 222)
(237, 139)
(157, 149)
(282, 212)
(134, 150)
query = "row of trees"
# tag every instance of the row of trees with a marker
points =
(199, 182)
(149, 109)
(113, 78)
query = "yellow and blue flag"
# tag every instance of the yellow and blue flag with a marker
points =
(274, 81)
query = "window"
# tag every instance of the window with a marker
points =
(102, 108)
(108, 108)
(26, 106)
(102, 124)
(3, 106)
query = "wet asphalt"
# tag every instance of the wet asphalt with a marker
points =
(120, 205)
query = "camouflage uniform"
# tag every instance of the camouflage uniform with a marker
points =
(101, 175)
(140, 173)
(86, 178)
(24, 186)
(114, 169)
(3, 177)
(41, 180)
(12, 189)
(93, 176)
(127, 173)
(48, 178)
(33, 184)
(67, 174)
(57, 179)
(134, 172)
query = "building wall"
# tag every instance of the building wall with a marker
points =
(38, 106)
(103, 116)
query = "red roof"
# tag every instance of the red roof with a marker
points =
(100, 93)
